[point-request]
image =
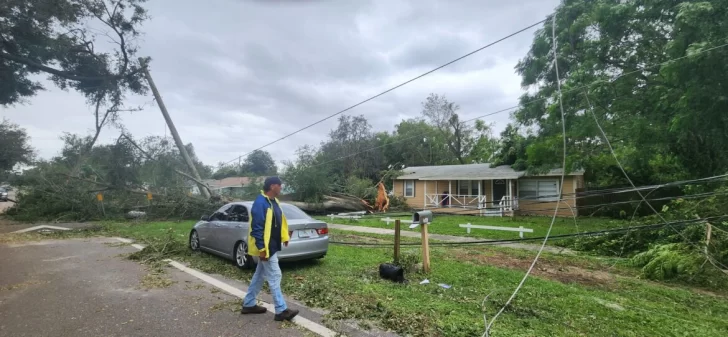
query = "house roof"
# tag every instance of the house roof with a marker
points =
(469, 172)
(228, 182)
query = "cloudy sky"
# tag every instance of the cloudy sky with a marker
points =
(238, 74)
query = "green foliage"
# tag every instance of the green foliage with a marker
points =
(678, 262)
(675, 252)
(414, 142)
(225, 172)
(361, 188)
(347, 151)
(259, 163)
(308, 181)
(123, 172)
(14, 146)
(409, 261)
(486, 145)
(56, 38)
(442, 115)
(252, 189)
(666, 120)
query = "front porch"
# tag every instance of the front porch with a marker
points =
(495, 197)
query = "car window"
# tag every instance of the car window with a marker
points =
(219, 215)
(293, 213)
(238, 213)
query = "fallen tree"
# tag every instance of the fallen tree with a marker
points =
(333, 204)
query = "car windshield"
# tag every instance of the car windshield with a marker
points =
(293, 212)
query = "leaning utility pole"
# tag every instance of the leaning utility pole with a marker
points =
(182, 150)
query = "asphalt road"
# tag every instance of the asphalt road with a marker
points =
(86, 287)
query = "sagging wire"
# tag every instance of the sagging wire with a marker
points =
(713, 262)
(486, 333)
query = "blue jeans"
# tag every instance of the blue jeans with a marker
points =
(267, 271)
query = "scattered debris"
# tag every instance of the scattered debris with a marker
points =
(425, 281)
(136, 214)
(155, 280)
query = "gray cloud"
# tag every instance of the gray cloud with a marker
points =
(238, 74)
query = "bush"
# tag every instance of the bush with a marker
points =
(678, 262)
(398, 203)
(409, 261)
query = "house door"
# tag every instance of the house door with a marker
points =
(500, 189)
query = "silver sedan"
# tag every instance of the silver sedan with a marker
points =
(225, 233)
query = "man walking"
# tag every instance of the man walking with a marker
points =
(268, 235)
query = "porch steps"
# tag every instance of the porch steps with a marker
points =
(491, 212)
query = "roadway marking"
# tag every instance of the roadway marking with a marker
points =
(41, 227)
(303, 322)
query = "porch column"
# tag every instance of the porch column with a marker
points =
(425, 196)
(480, 191)
(449, 193)
(510, 194)
(437, 195)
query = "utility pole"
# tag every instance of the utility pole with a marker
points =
(182, 150)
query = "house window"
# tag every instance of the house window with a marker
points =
(467, 187)
(409, 188)
(463, 187)
(541, 190)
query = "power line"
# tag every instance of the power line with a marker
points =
(393, 88)
(715, 264)
(521, 104)
(560, 236)
(561, 187)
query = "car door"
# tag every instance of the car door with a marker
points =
(214, 227)
(234, 229)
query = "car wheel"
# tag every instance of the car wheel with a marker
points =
(241, 257)
(194, 241)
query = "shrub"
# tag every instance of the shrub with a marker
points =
(678, 262)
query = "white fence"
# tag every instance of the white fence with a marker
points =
(520, 229)
(388, 220)
(351, 215)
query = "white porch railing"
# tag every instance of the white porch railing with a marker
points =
(455, 200)
(509, 204)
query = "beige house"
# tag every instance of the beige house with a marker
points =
(488, 191)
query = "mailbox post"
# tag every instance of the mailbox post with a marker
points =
(423, 218)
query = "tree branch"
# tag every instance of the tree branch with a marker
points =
(184, 174)
(109, 186)
(61, 73)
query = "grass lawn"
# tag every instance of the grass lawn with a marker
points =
(449, 225)
(567, 296)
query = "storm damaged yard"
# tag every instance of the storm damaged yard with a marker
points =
(567, 296)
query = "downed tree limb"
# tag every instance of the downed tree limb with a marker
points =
(332, 204)
(109, 186)
(184, 174)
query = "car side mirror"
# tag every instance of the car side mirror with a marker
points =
(205, 218)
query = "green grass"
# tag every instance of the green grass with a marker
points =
(449, 225)
(347, 284)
